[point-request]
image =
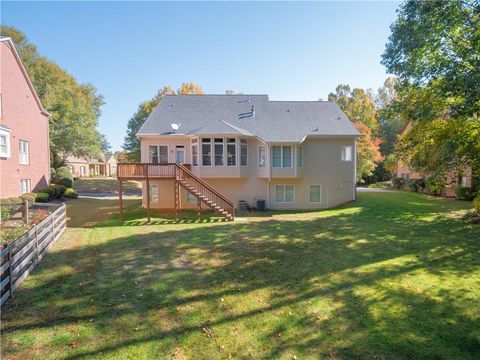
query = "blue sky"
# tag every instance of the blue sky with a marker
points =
(128, 50)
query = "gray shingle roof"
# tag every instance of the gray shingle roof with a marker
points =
(274, 121)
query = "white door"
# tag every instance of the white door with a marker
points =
(179, 154)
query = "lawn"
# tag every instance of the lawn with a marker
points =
(392, 276)
(106, 185)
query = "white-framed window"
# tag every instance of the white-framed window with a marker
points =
(25, 186)
(194, 152)
(153, 193)
(243, 152)
(405, 176)
(82, 170)
(72, 169)
(262, 156)
(23, 152)
(113, 170)
(282, 156)
(284, 193)
(191, 199)
(231, 152)
(4, 143)
(464, 181)
(346, 153)
(218, 149)
(315, 194)
(299, 156)
(206, 152)
(158, 154)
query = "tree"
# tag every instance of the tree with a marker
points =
(433, 49)
(359, 107)
(435, 44)
(75, 108)
(131, 144)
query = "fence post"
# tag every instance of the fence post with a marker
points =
(25, 212)
(10, 270)
(36, 242)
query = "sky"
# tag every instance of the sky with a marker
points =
(129, 50)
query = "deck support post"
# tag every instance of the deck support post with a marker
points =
(177, 200)
(148, 199)
(199, 209)
(120, 198)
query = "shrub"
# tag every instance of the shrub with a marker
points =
(464, 193)
(42, 197)
(53, 174)
(49, 191)
(63, 188)
(416, 185)
(66, 182)
(70, 193)
(435, 186)
(56, 189)
(28, 197)
(476, 204)
(63, 173)
(398, 183)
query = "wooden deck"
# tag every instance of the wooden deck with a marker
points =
(182, 177)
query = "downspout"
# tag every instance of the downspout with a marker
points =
(355, 169)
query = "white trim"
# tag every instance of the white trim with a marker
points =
(25, 154)
(29, 188)
(6, 133)
(309, 194)
(344, 152)
(284, 194)
(182, 148)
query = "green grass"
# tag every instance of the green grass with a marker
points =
(394, 275)
(105, 185)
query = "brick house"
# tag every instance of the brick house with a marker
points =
(24, 137)
(80, 166)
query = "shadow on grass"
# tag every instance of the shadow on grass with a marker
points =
(354, 280)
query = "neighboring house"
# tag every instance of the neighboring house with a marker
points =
(292, 154)
(105, 165)
(24, 139)
(453, 179)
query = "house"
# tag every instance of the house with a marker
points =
(453, 179)
(24, 137)
(290, 154)
(81, 166)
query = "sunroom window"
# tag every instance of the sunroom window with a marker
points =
(231, 152)
(218, 148)
(206, 151)
(281, 156)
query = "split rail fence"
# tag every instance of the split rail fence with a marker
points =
(19, 258)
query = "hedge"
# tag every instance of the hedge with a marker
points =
(42, 197)
(70, 193)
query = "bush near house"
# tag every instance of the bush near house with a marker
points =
(464, 193)
(398, 183)
(71, 194)
(476, 204)
(49, 191)
(42, 197)
(28, 197)
(68, 183)
(435, 186)
(417, 185)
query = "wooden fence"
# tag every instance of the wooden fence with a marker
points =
(20, 257)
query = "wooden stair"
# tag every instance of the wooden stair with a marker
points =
(204, 192)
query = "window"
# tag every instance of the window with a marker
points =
(231, 152)
(464, 181)
(405, 176)
(281, 156)
(113, 170)
(153, 193)
(206, 152)
(72, 169)
(23, 152)
(82, 171)
(218, 144)
(191, 199)
(194, 152)
(284, 193)
(158, 154)
(243, 152)
(24, 186)
(4, 143)
(299, 156)
(315, 193)
(347, 153)
(262, 156)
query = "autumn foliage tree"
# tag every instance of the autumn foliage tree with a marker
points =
(359, 106)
